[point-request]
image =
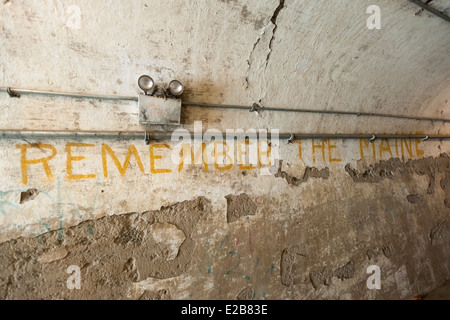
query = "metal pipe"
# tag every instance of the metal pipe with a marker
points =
(134, 135)
(431, 10)
(16, 134)
(224, 106)
(69, 95)
(345, 113)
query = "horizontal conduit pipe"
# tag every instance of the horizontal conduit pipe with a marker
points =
(66, 94)
(13, 92)
(344, 113)
(4, 134)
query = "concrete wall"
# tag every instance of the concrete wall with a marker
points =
(157, 230)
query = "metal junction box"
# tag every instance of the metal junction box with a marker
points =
(158, 111)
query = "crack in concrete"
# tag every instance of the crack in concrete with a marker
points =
(273, 21)
(253, 49)
(250, 58)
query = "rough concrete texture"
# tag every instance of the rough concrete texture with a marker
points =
(323, 277)
(440, 293)
(239, 206)
(289, 263)
(309, 173)
(346, 272)
(413, 198)
(112, 252)
(439, 231)
(386, 169)
(246, 294)
(178, 251)
(142, 227)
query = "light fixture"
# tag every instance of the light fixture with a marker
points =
(176, 87)
(159, 105)
(147, 84)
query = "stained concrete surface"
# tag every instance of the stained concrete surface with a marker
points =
(127, 256)
(112, 252)
(440, 293)
(288, 246)
(239, 206)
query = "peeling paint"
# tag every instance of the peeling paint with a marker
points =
(28, 195)
(309, 173)
(239, 206)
